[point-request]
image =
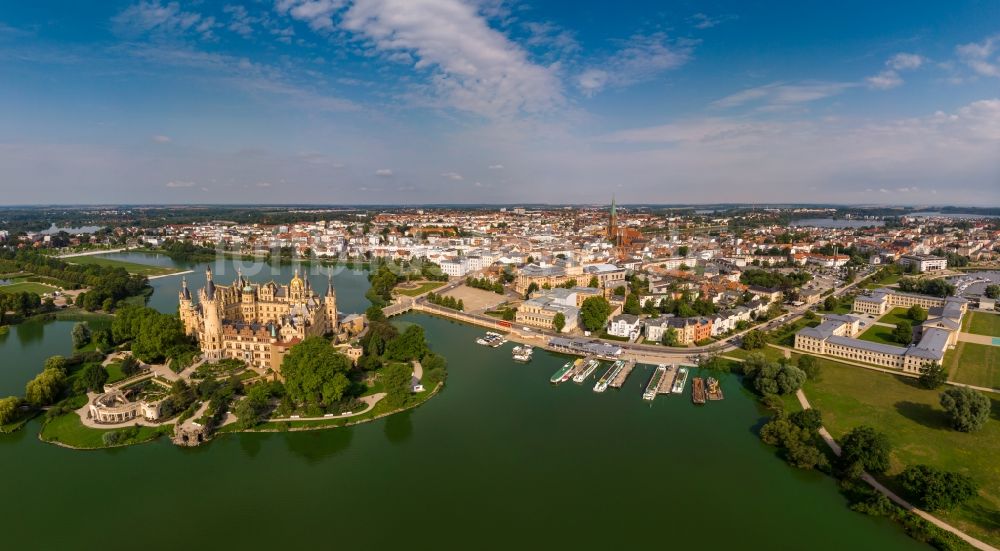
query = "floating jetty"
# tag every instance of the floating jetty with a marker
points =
(666, 382)
(619, 378)
(562, 374)
(523, 353)
(714, 390)
(698, 390)
(587, 370)
(654, 383)
(680, 380)
(602, 384)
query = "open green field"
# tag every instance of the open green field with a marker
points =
(27, 287)
(974, 364)
(68, 430)
(423, 287)
(982, 323)
(131, 267)
(895, 316)
(880, 334)
(915, 423)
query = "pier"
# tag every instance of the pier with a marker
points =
(667, 381)
(619, 379)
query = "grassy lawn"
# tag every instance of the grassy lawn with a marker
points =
(131, 267)
(769, 352)
(67, 429)
(895, 316)
(912, 418)
(28, 287)
(974, 364)
(982, 323)
(115, 374)
(880, 334)
(424, 287)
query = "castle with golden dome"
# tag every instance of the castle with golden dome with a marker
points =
(253, 322)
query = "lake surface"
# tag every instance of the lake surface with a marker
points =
(500, 458)
(53, 229)
(832, 223)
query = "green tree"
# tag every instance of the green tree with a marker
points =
(753, 340)
(315, 374)
(867, 448)
(967, 408)
(917, 313)
(45, 388)
(8, 409)
(130, 366)
(992, 291)
(934, 489)
(632, 305)
(80, 335)
(810, 366)
(932, 375)
(249, 410)
(410, 345)
(594, 282)
(831, 303)
(594, 313)
(396, 379)
(55, 362)
(903, 332)
(93, 377)
(558, 322)
(669, 337)
(374, 313)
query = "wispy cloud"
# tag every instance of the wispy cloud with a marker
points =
(890, 76)
(495, 167)
(779, 94)
(702, 21)
(384, 173)
(179, 183)
(981, 57)
(472, 66)
(318, 14)
(159, 138)
(454, 176)
(640, 58)
(164, 19)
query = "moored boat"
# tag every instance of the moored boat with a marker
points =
(561, 374)
(587, 371)
(523, 353)
(714, 390)
(680, 380)
(654, 382)
(698, 390)
(602, 384)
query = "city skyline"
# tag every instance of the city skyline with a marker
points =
(491, 102)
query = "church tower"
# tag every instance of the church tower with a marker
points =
(330, 303)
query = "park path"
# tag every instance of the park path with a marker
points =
(369, 400)
(93, 252)
(170, 274)
(828, 438)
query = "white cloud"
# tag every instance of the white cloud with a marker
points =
(889, 77)
(780, 94)
(981, 56)
(641, 58)
(318, 14)
(263, 184)
(905, 61)
(155, 17)
(384, 172)
(885, 80)
(179, 183)
(495, 167)
(159, 138)
(473, 66)
(453, 176)
(240, 21)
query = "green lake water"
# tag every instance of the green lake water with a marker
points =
(500, 459)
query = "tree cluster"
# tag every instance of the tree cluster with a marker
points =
(594, 313)
(485, 284)
(935, 489)
(447, 301)
(967, 408)
(768, 377)
(796, 436)
(932, 287)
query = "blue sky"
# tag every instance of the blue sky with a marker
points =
(469, 101)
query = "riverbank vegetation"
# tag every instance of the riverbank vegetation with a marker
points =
(446, 301)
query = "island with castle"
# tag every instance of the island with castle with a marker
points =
(263, 357)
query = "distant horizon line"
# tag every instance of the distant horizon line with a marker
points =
(514, 205)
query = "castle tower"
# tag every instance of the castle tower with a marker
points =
(613, 223)
(211, 341)
(295, 288)
(330, 303)
(186, 309)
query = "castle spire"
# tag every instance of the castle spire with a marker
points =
(329, 284)
(185, 293)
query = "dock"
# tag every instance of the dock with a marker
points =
(698, 390)
(654, 383)
(667, 381)
(619, 379)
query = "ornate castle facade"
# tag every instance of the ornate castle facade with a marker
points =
(256, 323)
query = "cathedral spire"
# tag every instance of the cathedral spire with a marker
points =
(329, 284)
